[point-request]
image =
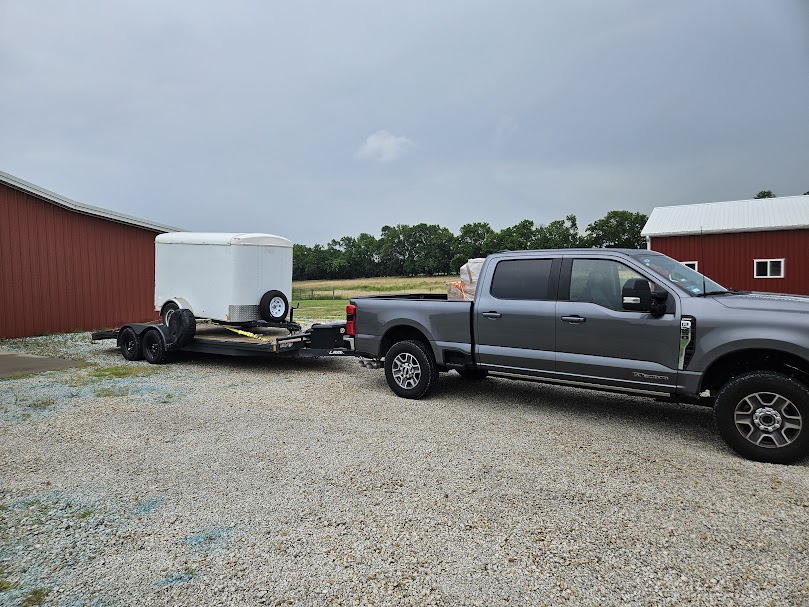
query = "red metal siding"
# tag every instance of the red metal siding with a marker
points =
(728, 258)
(62, 271)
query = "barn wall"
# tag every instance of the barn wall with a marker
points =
(728, 258)
(62, 271)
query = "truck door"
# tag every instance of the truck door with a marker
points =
(598, 342)
(515, 316)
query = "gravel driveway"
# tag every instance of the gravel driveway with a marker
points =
(221, 481)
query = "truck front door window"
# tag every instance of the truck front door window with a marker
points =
(599, 281)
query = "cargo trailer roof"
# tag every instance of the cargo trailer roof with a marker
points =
(223, 239)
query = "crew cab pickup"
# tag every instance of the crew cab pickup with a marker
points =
(632, 321)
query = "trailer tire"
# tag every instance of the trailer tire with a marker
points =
(410, 369)
(167, 311)
(129, 344)
(182, 327)
(154, 351)
(274, 306)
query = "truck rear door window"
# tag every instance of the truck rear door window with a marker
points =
(521, 279)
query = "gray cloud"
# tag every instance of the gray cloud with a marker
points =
(256, 116)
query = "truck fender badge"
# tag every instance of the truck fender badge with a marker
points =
(648, 376)
(335, 351)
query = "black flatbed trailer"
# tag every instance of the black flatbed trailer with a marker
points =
(154, 341)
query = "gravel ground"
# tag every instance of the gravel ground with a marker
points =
(220, 481)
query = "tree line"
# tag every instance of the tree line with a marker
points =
(429, 249)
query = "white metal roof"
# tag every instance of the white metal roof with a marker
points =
(223, 238)
(784, 213)
(79, 207)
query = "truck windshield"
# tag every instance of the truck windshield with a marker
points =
(683, 276)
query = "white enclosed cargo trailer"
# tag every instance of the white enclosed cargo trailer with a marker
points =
(236, 278)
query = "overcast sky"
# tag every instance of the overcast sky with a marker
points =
(317, 120)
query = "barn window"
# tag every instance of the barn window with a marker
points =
(768, 268)
(691, 264)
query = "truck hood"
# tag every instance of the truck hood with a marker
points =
(776, 302)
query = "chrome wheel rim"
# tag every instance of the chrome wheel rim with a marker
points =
(169, 313)
(768, 420)
(277, 307)
(406, 370)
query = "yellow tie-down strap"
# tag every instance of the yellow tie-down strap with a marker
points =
(248, 334)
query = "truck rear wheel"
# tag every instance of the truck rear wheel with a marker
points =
(410, 369)
(764, 416)
(153, 349)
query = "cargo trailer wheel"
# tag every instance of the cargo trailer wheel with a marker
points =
(167, 311)
(153, 349)
(182, 327)
(764, 416)
(273, 306)
(410, 369)
(129, 343)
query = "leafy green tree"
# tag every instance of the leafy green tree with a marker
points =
(559, 234)
(765, 194)
(617, 229)
(471, 242)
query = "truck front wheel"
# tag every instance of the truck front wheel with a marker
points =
(410, 369)
(764, 416)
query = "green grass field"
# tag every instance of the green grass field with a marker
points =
(327, 299)
(320, 309)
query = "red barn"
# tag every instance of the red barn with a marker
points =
(67, 266)
(755, 245)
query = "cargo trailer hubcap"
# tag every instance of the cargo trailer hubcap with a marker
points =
(406, 370)
(767, 419)
(277, 307)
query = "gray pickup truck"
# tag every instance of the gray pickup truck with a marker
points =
(630, 321)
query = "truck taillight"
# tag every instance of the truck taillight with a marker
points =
(351, 310)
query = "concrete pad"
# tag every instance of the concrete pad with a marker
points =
(13, 363)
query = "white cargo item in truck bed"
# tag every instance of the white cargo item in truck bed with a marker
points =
(227, 277)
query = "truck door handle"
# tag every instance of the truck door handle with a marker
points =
(574, 320)
(492, 314)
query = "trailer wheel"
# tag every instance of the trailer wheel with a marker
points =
(129, 343)
(167, 311)
(153, 349)
(273, 306)
(182, 327)
(410, 369)
(764, 416)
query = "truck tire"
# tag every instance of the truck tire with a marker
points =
(764, 416)
(410, 369)
(167, 311)
(153, 349)
(129, 344)
(273, 306)
(182, 327)
(473, 374)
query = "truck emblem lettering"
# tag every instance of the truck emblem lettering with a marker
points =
(648, 376)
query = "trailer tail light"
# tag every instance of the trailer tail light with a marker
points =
(351, 310)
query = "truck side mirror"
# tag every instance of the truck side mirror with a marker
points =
(636, 295)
